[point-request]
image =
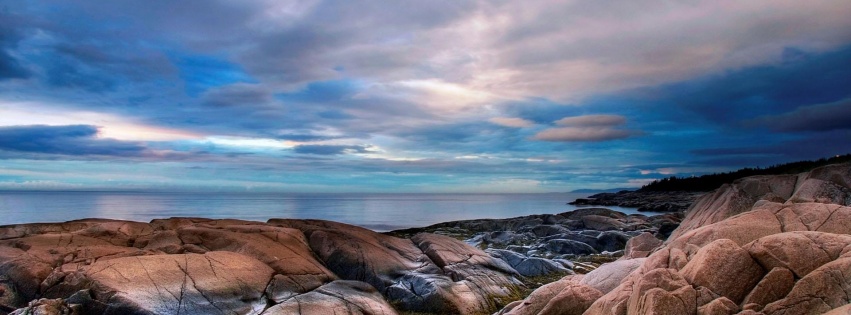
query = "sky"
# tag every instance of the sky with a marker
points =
(414, 96)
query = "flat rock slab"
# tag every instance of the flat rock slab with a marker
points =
(212, 283)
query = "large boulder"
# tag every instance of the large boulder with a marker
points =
(662, 291)
(641, 246)
(829, 184)
(566, 296)
(774, 286)
(725, 268)
(284, 250)
(800, 252)
(608, 276)
(824, 289)
(736, 198)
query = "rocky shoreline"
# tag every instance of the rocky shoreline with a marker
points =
(651, 201)
(762, 245)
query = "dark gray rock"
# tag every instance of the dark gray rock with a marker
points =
(528, 266)
(562, 246)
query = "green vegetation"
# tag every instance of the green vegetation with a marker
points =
(711, 181)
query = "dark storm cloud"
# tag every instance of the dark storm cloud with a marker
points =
(75, 140)
(10, 66)
(772, 89)
(821, 117)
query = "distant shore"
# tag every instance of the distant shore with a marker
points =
(644, 201)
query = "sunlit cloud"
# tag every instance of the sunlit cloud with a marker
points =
(14, 113)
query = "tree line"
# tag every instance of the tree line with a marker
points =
(711, 181)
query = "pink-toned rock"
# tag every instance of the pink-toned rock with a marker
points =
(641, 246)
(186, 284)
(572, 300)
(821, 191)
(662, 291)
(741, 229)
(725, 268)
(538, 299)
(774, 286)
(842, 310)
(815, 217)
(284, 250)
(732, 199)
(829, 184)
(608, 276)
(719, 306)
(822, 290)
(800, 252)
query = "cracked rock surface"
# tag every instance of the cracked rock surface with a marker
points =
(202, 266)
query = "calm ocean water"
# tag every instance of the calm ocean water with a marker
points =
(379, 212)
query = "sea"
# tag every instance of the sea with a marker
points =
(376, 211)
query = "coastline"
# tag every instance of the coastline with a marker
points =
(784, 231)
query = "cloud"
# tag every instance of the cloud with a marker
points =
(317, 149)
(239, 94)
(821, 117)
(592, 121)
(74, 140)
(511, 122)
(571, 134)
(593, 128)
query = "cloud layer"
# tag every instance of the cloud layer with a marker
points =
(428, 96)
